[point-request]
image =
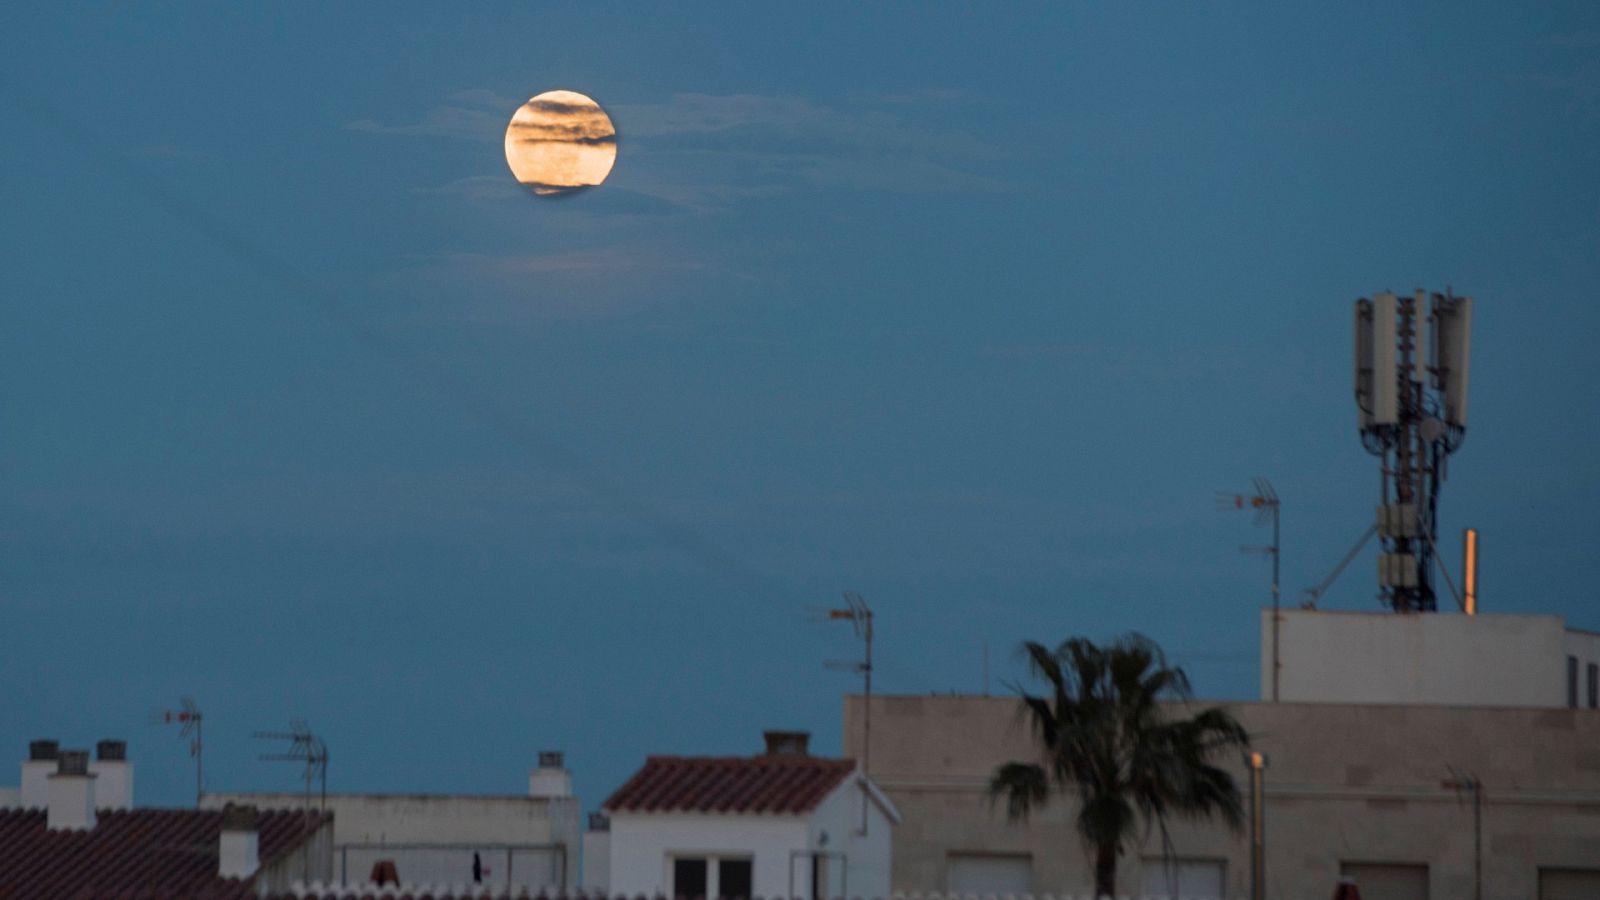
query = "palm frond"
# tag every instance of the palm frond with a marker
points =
(1025, 786)
(1102, 730)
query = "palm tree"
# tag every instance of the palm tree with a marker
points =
(1103, 734)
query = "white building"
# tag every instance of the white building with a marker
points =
(519, 841)
(781, 824)
(112, 772)
(1430, 658)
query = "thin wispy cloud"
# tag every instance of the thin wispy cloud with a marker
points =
(708, 150)
(474, 115)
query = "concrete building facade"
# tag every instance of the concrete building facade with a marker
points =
(1355, 790)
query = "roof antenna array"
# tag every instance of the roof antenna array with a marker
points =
(1411, 406)
(1265, 503)
(188, 717)
(307, 748)
(859, 615)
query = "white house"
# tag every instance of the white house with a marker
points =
(781, 824)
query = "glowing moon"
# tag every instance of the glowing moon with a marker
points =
(560, 141)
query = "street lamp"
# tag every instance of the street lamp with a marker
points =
(1257, 761)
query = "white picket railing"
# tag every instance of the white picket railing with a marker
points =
(316, 890)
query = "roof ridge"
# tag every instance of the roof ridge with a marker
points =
(767, 758)
(777, 784)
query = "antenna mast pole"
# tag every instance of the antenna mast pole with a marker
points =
(189, 717)
(1265, 502)
(860, 616)
(313, 751)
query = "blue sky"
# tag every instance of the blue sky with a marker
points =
(310, 411)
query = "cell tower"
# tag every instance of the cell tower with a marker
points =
(1411, 402)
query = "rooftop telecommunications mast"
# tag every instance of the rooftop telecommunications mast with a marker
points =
(1411, 404)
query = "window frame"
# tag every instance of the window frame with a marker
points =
(1026, 857)
(1151, 890)
(712, 860)
(1572, 681)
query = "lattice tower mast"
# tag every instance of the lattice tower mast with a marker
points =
(1411, 398)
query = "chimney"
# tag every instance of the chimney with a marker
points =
(787, 743)
(239, 847)
(36, 769)
(113, 789)
(71, 792)
(551, 779)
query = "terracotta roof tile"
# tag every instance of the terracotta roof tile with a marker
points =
(148, 854)
(730, 784)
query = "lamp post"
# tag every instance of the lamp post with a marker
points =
(1257, 761)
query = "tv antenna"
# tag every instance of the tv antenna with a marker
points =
(188, 717)
(859, 615)
(1411, 406)
(1266, 505)
(304, 747)
(307, 748)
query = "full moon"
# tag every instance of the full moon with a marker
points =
(560, 141)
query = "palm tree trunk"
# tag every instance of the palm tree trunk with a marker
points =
(1105, 870)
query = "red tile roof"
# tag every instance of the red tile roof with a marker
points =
(730, 784)
(147, 854)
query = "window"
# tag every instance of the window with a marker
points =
(1388, 881)
(989, 873)
(1572, 682)
(689, 877)
(729, 877)
(1594, 686)
(1569, 884)
(1176, 877)
(734, 877)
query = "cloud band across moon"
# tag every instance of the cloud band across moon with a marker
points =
(560, 141)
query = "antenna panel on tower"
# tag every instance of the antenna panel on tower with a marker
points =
(1419, 340)
(1363, 363)
(1385, 390)
(1452, 345)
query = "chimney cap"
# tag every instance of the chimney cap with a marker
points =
(111, 750)
(787, 743)
(43, 749)
(599, 821)
(551, 759)
(72, 762)
(238, 817)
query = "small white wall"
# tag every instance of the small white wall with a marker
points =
(433, 818)
(597, 863)
(369, 827)
(113, 786)
(70, 802)
(867, 856)
(1444, 659)
(35, 790)
(644, 844)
